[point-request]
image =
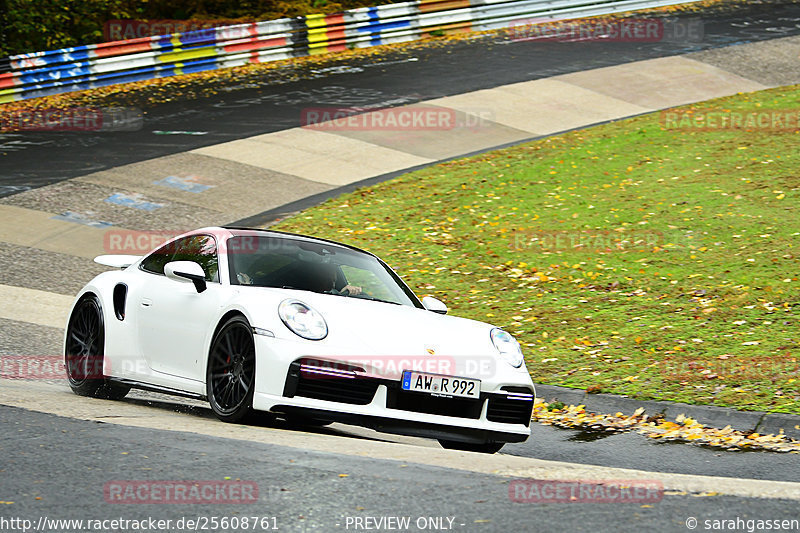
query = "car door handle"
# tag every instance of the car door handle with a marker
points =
(146, 302)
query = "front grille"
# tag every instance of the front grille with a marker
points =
(433, 405)
(513, 407)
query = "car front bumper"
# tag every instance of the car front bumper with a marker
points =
(284, 385)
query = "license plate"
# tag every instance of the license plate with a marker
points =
(438, 385)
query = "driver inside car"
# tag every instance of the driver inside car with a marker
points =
(330, 275)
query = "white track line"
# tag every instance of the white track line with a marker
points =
(34, 306)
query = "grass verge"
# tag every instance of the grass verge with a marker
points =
(629, 258)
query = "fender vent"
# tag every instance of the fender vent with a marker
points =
(120, 294)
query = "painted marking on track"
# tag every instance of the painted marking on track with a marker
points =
(6, 190)
(343, 69)
(79, 218)
(179, 132)
(188, 183)
(136, 201)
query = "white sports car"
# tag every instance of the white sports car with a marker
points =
(304, 328)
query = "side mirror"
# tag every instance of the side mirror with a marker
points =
(185, 271)
(432, 304)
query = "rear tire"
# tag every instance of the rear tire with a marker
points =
(231, 371)
(488, 447)
(84, 352)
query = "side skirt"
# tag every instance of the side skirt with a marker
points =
(155, 388)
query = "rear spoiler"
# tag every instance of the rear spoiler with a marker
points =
(117, 261)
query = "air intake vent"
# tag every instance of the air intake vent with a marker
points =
(333, 382)
(513, 407)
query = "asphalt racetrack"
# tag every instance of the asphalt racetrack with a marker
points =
(31, 160)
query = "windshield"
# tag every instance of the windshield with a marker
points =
(281, 262)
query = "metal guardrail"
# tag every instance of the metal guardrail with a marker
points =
(38, 74)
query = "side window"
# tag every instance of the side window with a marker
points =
(155, 261)
(251, 263)
(201, 249)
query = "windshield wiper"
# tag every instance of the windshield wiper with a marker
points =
(361, 296)
(375, 299)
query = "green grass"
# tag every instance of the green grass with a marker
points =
(699, 305)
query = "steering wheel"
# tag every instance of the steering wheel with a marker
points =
(346, 292)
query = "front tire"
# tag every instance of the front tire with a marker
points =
(84, 352)
(488, 447)
(231, 372)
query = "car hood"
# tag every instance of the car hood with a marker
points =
(396, 329)
(385, 328)
(386, 339)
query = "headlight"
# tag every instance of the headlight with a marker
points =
(303, 320)
(507, 346)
